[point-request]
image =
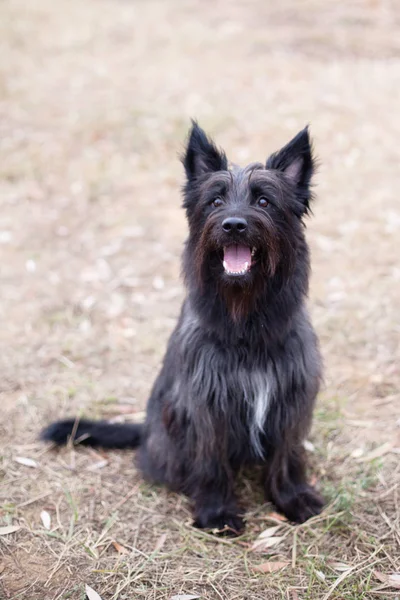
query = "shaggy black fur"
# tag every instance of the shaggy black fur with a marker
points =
(242, 368)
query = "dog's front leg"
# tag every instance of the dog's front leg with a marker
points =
(215, 505)
(286, 484)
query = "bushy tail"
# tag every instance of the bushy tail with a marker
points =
(94, 433)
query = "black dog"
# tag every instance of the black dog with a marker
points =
(242, 368)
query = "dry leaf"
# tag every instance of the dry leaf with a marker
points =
(358, 423)
(357, 453)
(320, 575)
(380, 576)
(339, 566)
(269, 532)
(46, 519)
(135, 417)
(377, 452)
(98, 465)
(270, 566)
(392, 580)
(262, 544)
(160, 542)
(383, 578)
(27, 462)
(91, 594)
(184, 597)
(309, 446)
(276, 516)
(120, 549)
(9, 529)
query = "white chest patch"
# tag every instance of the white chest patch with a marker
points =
(258, 393)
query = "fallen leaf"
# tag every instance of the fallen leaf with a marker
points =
(270, 566)
(120, 549)
(269, 532)
(184, 597)
(46, 519)
(27, 462)
(136, 417)
(160, 542)
(357, 453)
(262, 544)
(309, 446)
(91, 594)
(381, 576)
(276, 516)
(358, 423)
(339, 566)
(97, 465)
(9, 529)
(392, 580)
(377, 452)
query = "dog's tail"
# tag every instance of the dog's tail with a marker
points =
(94, 433)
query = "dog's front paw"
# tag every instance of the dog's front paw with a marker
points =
(301, 504)
(223, 520)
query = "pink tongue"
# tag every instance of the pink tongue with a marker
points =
(236, 257)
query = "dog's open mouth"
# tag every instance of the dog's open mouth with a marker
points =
(237, 259)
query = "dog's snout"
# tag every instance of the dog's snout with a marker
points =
(234, 224)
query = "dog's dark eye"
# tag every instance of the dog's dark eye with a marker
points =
(263, 202)
(217, 202)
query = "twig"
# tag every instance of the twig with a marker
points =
(294, 549)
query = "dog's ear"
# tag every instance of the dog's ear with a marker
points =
(296, 161)
(202, 155)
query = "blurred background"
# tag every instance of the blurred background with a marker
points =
(95, 103)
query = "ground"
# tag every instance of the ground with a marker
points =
(95, 102)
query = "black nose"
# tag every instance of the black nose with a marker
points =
(234, 224)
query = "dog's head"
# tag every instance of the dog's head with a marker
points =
(245, 223)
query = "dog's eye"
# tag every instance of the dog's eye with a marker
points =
(263, 202)
(217, 202)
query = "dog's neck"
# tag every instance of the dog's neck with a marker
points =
(243, 318)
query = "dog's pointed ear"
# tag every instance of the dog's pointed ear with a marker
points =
(296, 161)
(202, 155)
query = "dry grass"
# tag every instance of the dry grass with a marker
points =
(95, 98)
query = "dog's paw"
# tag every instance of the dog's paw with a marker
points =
(303, 503)
(222, 521)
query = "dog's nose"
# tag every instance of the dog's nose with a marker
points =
(234, 224)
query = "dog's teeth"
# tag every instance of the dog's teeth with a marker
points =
(242, 272)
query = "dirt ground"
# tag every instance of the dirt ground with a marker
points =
(95, 102)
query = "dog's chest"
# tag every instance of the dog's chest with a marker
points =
(234, 384)
(233, 393)
(253, 388)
